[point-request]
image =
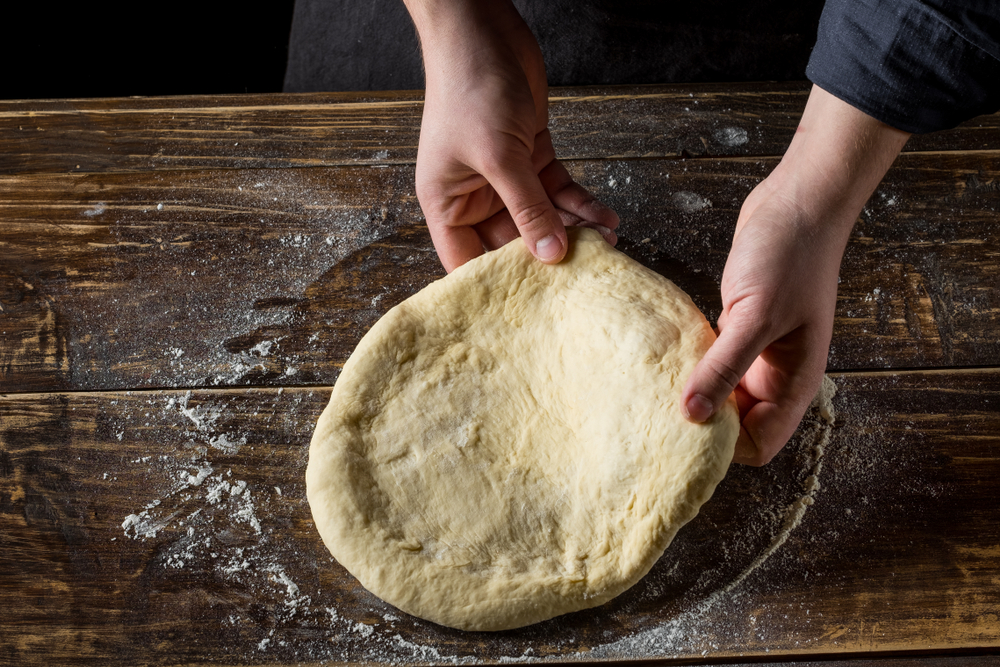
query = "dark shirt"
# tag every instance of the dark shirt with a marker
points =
(918, 65)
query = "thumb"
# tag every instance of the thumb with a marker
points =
(721, 369)
(528, 204)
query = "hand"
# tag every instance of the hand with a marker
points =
(779, 291)
(779, 287)
(486, 168)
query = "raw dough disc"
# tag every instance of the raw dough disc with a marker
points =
(506, 446)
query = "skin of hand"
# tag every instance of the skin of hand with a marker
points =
(779, 286)
(486, 168)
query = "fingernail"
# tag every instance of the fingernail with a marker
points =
(548, 248)
(698, 408)
(606, 233)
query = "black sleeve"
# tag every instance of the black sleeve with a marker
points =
(918, 65)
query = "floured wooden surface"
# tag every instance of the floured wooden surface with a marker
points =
(183, 513)
(325, 129)
(171, 323)
(270, 277)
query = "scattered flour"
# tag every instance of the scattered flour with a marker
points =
(188, 263)
(98, 209)
(363, 629)
(689, 202)
(294, 597)
(204, 419)
(263, 348)
(731, 136)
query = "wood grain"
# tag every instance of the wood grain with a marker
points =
(171, 527)
(270, 277)
(281, 131)
(181, 279)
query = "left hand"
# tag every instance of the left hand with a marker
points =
(486, 168)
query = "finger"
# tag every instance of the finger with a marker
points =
(745, 401)
(529, 206)
(570, 196)
(455, 245)
(764, 431)
(721, 322)
(499, 229)
(723, 366)
(746, 449)
(564, 192)
(608, 235)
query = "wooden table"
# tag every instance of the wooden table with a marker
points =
(182, 279)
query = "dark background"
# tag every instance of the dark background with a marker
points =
(100, 49)
(115, 49)
(371, 44)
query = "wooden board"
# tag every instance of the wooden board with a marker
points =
(279, 131)
(270, 277)
(181, 280)
(171, 527)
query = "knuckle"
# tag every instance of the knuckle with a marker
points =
(533, 218)
(424, 194)
(427, 189)
(724, 374)
(761, 458)
(752, 451)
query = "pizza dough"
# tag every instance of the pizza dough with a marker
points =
(506, 445)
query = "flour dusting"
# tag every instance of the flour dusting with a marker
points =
(199, 511)
(217, 265)
(731, 136)
(689, 202)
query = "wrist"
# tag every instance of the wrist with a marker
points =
(836, 159)
(448, 25)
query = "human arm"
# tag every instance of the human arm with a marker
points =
(486, 168)
(779, 286)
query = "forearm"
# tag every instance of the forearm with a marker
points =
(835, 161)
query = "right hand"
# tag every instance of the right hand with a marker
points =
(486, 168)
(779, 294)
(779, 287)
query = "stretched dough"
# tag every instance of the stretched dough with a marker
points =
(506, 446)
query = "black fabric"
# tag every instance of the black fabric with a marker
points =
(371, 44)
(342, 45)
(917, 65)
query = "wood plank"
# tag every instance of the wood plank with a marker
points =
(257, 131)
(270, 277)
(954, 658)
(171, 527)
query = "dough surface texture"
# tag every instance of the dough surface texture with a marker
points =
(506, 445)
